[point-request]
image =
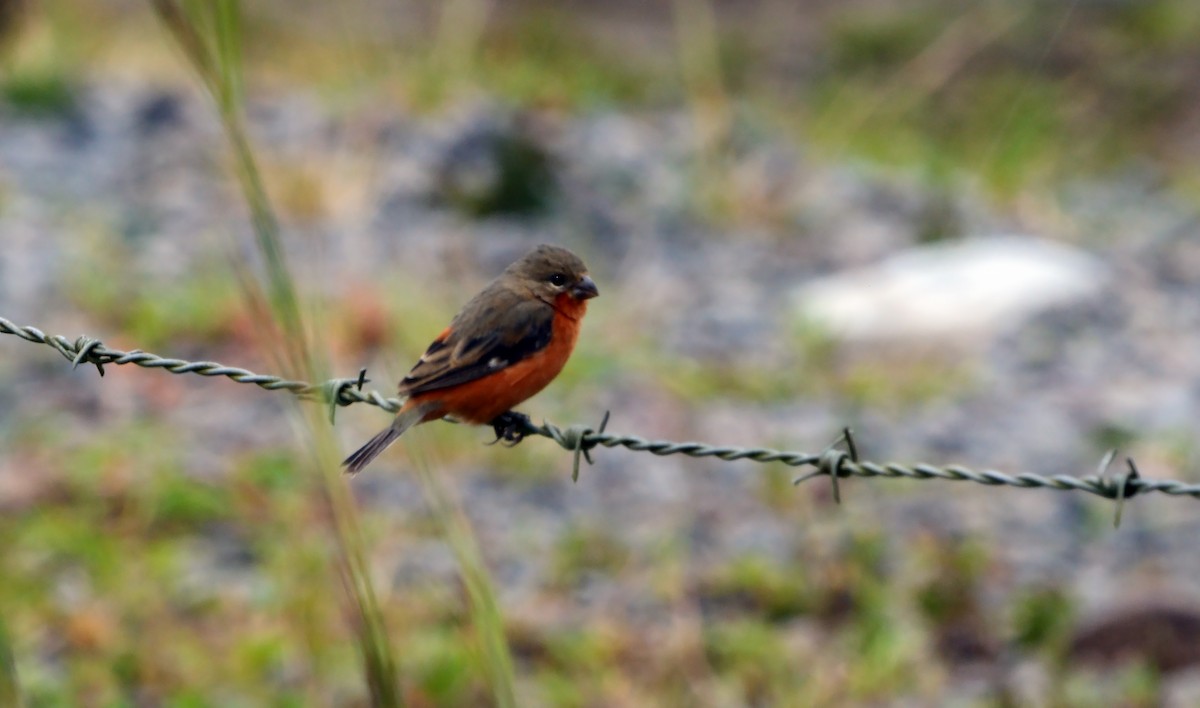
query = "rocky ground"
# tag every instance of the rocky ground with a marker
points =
(699, 334)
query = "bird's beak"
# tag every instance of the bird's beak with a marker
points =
(585, 289)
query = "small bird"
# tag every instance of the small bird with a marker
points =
(505, 345)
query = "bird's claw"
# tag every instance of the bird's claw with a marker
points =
(510, 428)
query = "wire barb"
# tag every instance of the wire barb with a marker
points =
(1124, 491)
(584, 446)
(851, 446)
(833, 464)
(581, 439)
(334, 388)
(84, 347)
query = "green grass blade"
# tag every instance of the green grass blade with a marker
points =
(217, 59)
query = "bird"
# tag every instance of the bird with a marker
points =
(505, 345)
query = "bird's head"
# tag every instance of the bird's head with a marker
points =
(553, 273)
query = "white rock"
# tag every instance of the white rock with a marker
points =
(952, 290)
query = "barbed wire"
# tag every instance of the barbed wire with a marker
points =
(581, 439)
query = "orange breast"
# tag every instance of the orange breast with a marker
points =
(480, 401)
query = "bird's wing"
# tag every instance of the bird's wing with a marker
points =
(494, 331)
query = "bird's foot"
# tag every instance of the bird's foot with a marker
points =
(510, 427)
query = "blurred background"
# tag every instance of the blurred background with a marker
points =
(966, 230)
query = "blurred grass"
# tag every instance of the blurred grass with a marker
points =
(125, 576)
(1019, 94)
(37, 62)
(209, 34)
(112, 593)
(10, 691)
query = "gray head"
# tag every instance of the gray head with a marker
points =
(550, 271)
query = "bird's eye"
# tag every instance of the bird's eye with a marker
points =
(558, 279)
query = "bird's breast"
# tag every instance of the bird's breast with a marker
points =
(480, 401)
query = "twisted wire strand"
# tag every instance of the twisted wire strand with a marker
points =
(93, 352)
(1094, 484)
(582, 438)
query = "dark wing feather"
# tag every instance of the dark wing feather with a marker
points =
(495, 330)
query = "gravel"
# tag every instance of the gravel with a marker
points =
(138, 171)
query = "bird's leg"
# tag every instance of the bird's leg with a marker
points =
(510, 427)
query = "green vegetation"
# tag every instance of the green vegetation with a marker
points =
(130, 577)
(1017, 94)
(39, 93)
(583, 552)
(759, 587)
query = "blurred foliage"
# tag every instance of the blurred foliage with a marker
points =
(39, 93)
(203, 306)
(118, 588)
(135, 578)
(956, 570)
(1014, 92)
(36, 62)
(762, 588)
(1042, 618)
(581, 552)
(1018, 93)
(752, 655)
(546, 58)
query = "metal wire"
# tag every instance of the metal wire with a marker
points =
(580, 439)
(342, 392)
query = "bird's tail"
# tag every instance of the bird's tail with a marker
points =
(405, 419)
